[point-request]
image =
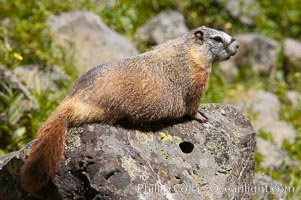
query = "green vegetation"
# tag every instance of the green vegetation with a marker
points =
(11, 114)
(25, 39)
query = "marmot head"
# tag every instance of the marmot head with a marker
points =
(213, 44)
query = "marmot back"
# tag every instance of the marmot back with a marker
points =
(163, 83)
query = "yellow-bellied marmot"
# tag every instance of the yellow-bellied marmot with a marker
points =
(164, 83)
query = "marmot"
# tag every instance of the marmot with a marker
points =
(164, 83)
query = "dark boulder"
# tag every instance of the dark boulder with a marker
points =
(180, 160)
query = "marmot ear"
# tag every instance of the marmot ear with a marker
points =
(199, 34)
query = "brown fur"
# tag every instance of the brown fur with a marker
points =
(48, 147)
(40, 167)
(164, 83)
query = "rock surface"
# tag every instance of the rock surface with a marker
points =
(292, 53)
(294, 98)
(8, 78)
(40, 80)
(165, 26)
(263, 108)
(278, 129)
(93, 42)
(267, 188)
(229, 70)
(273, 156)
(262, 104)
(256, 53)
(108, 3)
(189, 159)
(243, 10)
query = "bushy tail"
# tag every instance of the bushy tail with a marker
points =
(44, 157)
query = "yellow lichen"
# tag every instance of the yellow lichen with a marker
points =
(144, 138)
(130, 165)
(178, 139)
(163, 172)
(165, 136)
(72, 140)
(67, 161)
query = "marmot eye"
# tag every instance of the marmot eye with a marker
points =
(199, 35)
(218, 39)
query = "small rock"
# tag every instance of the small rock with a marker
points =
(292, 53)
(267, 188)
(37, 79)
(294, 98)
(260, 105)
(94, 42)
(273, 155)
(264, 109)
(108, 3)
(243, 10)
(165, 26)
(256, 53)
(279, 130)
(5, 22)
(229, 70)
(29, 102)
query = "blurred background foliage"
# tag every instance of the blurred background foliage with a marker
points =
(25, 39)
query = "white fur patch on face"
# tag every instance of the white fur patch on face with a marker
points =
(213, 32)
(226, 37)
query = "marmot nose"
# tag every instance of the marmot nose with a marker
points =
(237, 45)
